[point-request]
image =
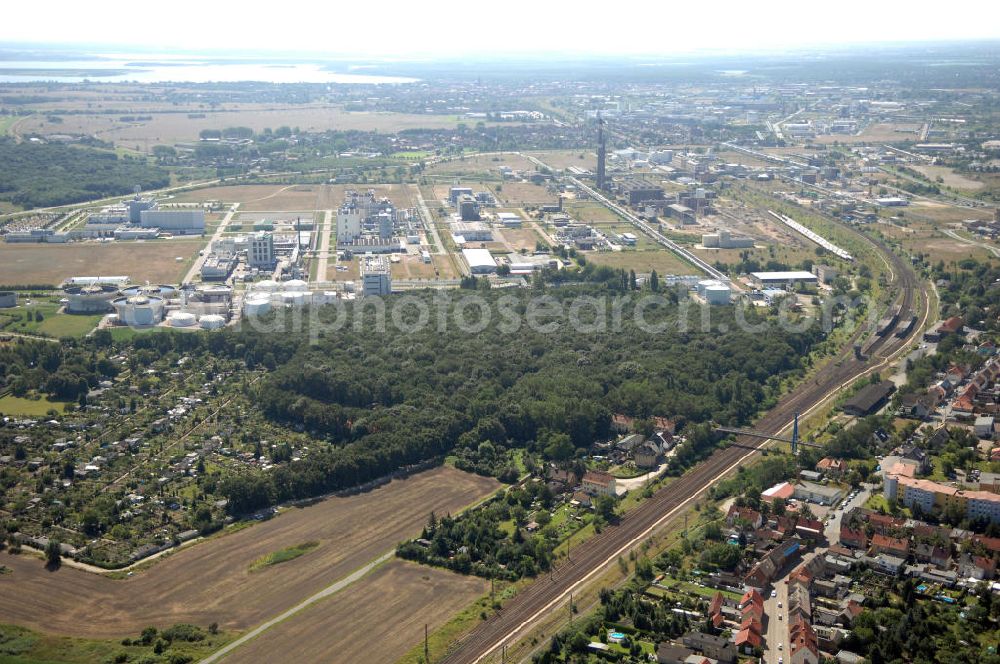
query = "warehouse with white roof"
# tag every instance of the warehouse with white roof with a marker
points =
(480, 261)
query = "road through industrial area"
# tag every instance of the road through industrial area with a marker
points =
(593, 556)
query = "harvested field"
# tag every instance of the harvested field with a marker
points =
(389, 608)
(485, 164)
(210, 582)
(519, 194)
(155, 261)
(561, 159)
(171, 128)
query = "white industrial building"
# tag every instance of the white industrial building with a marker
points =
(376, 276)
(175, 221)
(472, 231)
(349, 218)
(260, 250)
(509, 219)
(480, 261)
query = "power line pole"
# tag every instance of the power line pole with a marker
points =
(571, 609)
(427, 649)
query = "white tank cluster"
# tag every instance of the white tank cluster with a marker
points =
(713, 291)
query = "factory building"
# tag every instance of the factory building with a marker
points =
(376, 277)
(723, 239)
(472, 231)
(260, 250)
(468, 208)
(766, 279)
(348, 222)
(185, 222)
(509, 219)
(136, 206)
(640, 190)
(480, 261)
(456, 193)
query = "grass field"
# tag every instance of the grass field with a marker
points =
(53, 263)
(664, 262)
(211, 582)
(949, 177)
(283, 555)
(377, 619)
(11, 405)
(22, 646)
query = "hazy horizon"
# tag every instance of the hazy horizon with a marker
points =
(447, 28)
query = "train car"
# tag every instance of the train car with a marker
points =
(886, 324)
(906, 327)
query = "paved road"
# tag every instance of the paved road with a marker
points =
(217, 235)
(428, 219)
(335, 587)
(324, 246)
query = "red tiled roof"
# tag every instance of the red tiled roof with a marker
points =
(746, 636)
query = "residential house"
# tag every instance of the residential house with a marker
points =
(671, 653)
(977, 567)
(744, 514)
(853, 537)
(803, 647)
(895, 546)
(599, 483)
(712, 646)
(832, 467)
(647, 455)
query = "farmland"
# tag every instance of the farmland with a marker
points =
(211, 582)
(177, 127)
(389, 608)
(52, 263)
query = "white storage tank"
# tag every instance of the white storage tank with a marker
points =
(181, 319)
(139, 310)
(294, 285)
(717, 294)
(211, 322)
(293, 299)
(257, 304)
(705, 284)
(267, 285)
(90, 299)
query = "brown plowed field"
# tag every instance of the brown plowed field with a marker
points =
(377, 619)
(210, 582)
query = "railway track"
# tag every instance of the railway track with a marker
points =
(594, 555)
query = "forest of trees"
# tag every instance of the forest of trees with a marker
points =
(46, 174)
(389, 399)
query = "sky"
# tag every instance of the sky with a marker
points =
(401, 28)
